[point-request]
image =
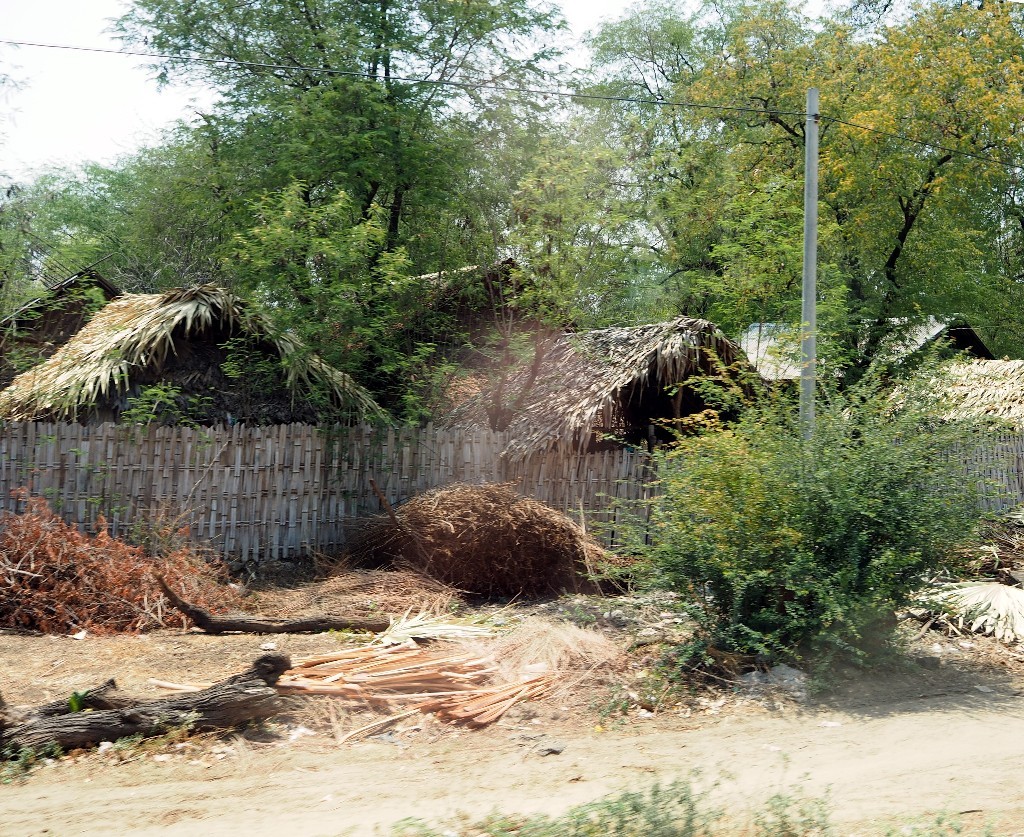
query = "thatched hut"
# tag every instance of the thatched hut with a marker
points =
(608, 383)
(41, 326)
(199, 354)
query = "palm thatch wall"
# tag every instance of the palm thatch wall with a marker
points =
(179, 339)
(986, 389)
(611, 381)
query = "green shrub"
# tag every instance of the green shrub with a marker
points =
(679, 809)
(676, 810)
(786, 545)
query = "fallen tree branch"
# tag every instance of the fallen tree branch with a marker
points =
(259, 625)
(244, 697)
(102, 697)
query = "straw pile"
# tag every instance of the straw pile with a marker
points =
(363, 593)
(482, 539)
(472, 682)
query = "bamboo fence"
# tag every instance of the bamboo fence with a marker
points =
(274, 493)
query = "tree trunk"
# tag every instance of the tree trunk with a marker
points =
(249, 696)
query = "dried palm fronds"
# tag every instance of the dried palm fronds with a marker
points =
(482, 539)
(986, 607)
(381, 673)
(426, 626)
(485, 706)
(135, 335)
(469, 682)
(448, 685)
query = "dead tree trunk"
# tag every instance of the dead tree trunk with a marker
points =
(249, 696)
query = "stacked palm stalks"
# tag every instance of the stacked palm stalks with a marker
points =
(480, 707)
(449, 685)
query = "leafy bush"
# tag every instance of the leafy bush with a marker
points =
(787, 545)
(678, 809)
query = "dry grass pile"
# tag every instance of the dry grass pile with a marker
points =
(55, 579)
(357, 593)
(482, 539)
(575, 661)
(473, 682)
(539, 644)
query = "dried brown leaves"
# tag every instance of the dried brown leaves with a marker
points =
(56, 579)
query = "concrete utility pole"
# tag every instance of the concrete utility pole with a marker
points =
(809, 313)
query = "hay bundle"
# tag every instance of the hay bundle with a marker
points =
(483, 539)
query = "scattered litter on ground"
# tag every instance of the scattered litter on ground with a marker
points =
(783, 678)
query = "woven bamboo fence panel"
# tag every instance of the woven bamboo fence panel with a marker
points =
(273, 493)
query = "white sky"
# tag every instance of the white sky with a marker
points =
(74, 107)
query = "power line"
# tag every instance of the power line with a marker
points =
(926, 143)
(463, 85)
(552, 93)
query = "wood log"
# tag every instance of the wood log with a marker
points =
(244, 697)
(206, 621)
(101, 697)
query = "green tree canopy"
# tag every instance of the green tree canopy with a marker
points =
(920, 154)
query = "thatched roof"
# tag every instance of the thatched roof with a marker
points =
(140, 334)
(774, 348)
(596, 379)
(986, 389)
(55, 291)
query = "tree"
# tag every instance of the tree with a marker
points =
(786, 546)
(909, 228)
(349, 95)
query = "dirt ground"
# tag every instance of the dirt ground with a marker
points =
(888, 748)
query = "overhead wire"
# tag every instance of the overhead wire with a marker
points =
(464, 85)
(543, 92)
(926, 143)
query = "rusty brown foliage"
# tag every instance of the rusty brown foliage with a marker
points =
(57, 579)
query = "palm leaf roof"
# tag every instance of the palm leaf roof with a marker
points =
(986, 389)
(587, 377)
(137, 332)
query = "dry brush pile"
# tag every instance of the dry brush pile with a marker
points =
(56, 579)
(482, 539)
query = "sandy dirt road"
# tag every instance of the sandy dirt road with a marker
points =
(886, 749)
(951, 753)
